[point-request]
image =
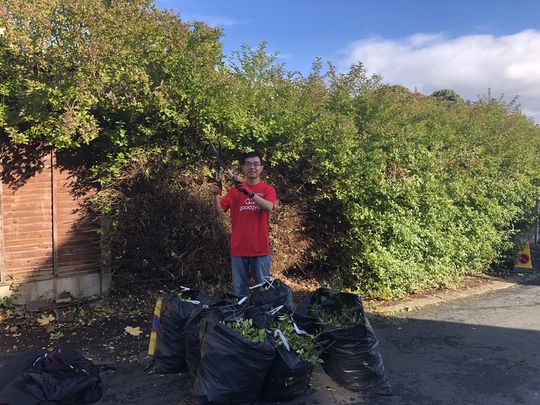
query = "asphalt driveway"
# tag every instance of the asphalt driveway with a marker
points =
(478, 350)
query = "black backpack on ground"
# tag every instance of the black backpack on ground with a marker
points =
(62, 377)
(10, 376)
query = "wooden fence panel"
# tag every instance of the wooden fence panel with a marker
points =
(27, 226)
(43, 230)
(76, 233)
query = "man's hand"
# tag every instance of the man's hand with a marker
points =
(216, 189)
(244, 188)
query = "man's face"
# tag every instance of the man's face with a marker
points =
(252, 167)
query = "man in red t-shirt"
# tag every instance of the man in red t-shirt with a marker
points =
(250, 204)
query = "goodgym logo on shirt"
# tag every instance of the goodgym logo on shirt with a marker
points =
(249, 204)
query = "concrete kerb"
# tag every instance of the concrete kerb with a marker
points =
(472, 286)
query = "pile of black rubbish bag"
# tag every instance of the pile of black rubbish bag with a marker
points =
(207, 337)
(196, 333)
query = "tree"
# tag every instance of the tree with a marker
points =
(447, 95)
(110, 76)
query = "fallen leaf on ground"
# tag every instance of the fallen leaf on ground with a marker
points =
(134, 331)
(51, 328)
(44, 320)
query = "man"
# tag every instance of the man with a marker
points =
(250, 204)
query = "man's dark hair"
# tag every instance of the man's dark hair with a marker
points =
(253, 153)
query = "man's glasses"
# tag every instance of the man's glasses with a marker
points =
(255, 165)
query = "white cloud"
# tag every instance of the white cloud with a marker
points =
(470, 65)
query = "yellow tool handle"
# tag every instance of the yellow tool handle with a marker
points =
(155, 324)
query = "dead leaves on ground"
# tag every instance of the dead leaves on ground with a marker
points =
(118, 327)
(44, 320)
(133, 331)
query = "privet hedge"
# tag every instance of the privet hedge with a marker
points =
(399, 191)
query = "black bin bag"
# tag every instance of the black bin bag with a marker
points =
(296, 355)
(274, 293)
(350, 355)
(228, 308)
(232, 368)
(169, 356)
(288, 377)
(263, 316)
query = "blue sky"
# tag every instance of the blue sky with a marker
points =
(468, 46)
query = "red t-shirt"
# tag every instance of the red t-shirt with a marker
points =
(249, 222)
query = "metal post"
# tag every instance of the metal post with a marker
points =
(2, 263)
(54, 212)
(537, 233)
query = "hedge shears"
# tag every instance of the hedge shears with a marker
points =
(221, 165)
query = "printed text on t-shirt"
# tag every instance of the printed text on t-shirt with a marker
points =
(250, 205)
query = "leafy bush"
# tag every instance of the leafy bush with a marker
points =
(392, 191)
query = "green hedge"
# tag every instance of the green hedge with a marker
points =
(403, 191)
